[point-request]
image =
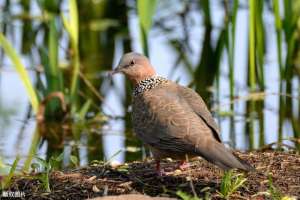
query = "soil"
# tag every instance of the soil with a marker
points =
(141, 178)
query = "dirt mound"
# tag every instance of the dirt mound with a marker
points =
(141, 178)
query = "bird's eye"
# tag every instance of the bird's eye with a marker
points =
(132, 62)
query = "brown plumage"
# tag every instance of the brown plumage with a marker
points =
(171, 119)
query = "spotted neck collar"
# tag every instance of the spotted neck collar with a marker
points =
(148, 84)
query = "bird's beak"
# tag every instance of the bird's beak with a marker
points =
(115, 71)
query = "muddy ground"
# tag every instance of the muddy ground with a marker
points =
(141, 178)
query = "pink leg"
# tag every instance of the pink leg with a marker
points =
(183, 165)
(159, 171)
(157, 165)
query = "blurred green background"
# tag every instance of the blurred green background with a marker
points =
(242, 57)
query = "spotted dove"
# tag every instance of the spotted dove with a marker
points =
(171, 119)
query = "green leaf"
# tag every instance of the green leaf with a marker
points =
(16, 60)
(59, 158)
(72, 29)
(145, 9)
(186, 196)
(73, 19)
(74, 160)
(230, 183)
(7, 179)
(4, 168)
(252, 77)
(43, 162)
(55, 73)
(274, 192)
(32, 150)
(56, 160)
(66, 23)
(35, 166)
(86, 106)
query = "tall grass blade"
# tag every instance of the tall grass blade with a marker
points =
(260, 43)
(278, 26)
(205, 6)
(288, 29)
(252, 61)
(252, 30)
(55, 73)
(72, 28)
(146, 9)
(74, 19)
(260, 55)
(230, 46)
(28, 33)
(204, 76)
(20, 68)
(84, 109)
(66, 24)
(32, 150)
(291, 27)
(7, 179)
(230, 183)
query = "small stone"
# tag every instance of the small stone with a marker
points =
(96, 189)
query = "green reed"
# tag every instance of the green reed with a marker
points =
(21, 70)
(230, 48)
(204, 76)
(72, 28)
(278, 26)
(252, 76)
(146, 10)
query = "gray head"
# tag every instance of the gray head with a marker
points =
(135, 66)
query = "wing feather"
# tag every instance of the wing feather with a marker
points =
(166, 122)
(198, 106)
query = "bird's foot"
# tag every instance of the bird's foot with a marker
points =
(161, 173)
(183, 165)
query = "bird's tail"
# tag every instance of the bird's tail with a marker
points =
(224, 158)
(246, 165)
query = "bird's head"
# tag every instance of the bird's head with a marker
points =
(135, 66)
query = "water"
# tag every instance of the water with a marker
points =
(16, 134)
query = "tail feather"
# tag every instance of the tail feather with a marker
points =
(224, 158)
(245, 164)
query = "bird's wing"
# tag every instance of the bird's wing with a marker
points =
(198, 106)
(164, 121)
